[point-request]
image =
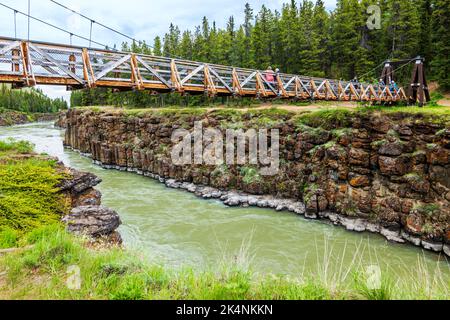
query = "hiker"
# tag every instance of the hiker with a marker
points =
(355, 83)
(277, 74)
(270, 75)
(393, 87)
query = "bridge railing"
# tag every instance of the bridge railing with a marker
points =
(26, 63)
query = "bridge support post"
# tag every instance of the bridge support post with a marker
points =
(418, 89)
(387, 75)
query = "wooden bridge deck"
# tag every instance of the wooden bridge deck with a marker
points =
(24, 63)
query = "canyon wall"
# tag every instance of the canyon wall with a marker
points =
(384, 172)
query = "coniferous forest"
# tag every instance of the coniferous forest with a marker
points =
(29, 100)
(307, 39)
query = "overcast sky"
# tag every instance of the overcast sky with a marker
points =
(141, 19)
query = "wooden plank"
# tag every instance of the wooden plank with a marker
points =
(135, 72)
(260, 89)
(175, 77)
(88, 73)
(27, 65)
(330, 90)
(236, 83)
(363, 95)
(315, 91)
(210, 87)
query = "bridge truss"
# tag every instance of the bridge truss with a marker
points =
(29, 63)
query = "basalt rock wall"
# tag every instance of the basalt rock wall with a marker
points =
(389, 169)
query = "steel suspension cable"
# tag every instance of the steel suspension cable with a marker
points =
(361, 77)
(15, 24)
(93, 21)
(29, 11)
(90, 34)
(53, 26)
(96, 22)
(401, 67)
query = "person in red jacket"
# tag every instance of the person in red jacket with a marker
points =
(270, 75)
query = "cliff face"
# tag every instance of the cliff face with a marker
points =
(391, 170)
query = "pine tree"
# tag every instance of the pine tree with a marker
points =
(404, 29)
(306, 54)
(425, 40)
(350, 52)
(320, 65)
(157, 47)
(261, 39)
(248, 26)
(186, 46)
(441, 43)
(289, 35)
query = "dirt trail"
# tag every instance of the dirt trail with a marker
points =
(292, 108)
(445, 102)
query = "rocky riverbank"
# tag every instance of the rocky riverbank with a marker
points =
(380, 172)
(10, 117)
(87, 216)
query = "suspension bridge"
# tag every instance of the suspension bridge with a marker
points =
(26, 63)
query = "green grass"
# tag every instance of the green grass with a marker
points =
(41, 273)
(28, 194)
(11, 145)
(327, 119)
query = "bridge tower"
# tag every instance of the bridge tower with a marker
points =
(387, 74)
(418, 89)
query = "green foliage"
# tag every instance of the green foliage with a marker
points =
(29, 101)
(430, 210)
(22, 147)
(250, 175)
(28, 194)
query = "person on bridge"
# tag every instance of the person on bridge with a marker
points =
(393, 87)
(355, 83)
(270, 75)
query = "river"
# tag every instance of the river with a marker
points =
(175, 228)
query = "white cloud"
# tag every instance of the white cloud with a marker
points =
(141, 19)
